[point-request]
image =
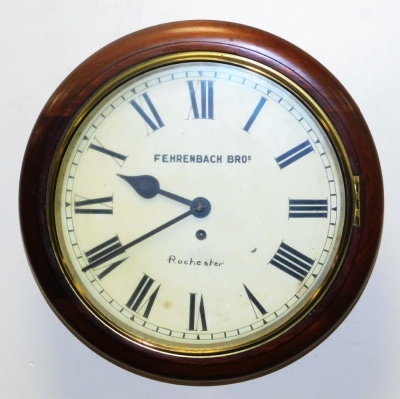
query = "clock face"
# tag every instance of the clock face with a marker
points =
(199, 206)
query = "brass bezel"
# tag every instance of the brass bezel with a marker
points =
(288, 84)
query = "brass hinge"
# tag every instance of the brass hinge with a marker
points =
(357, 200)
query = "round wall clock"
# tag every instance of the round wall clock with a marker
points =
(201, 202)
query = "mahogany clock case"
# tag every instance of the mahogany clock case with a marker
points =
(224, 38)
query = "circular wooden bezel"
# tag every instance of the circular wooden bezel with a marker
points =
(226, 38)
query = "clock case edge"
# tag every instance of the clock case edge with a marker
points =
(234, 39)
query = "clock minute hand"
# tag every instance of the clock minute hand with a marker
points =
(148, 187)
(200, 207)
(122, 248)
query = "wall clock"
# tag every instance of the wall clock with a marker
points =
(201, 202)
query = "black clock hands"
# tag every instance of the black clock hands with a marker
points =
(121, 249)
(148, 187)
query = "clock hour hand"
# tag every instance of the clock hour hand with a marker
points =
(200, 207)
(148, 187)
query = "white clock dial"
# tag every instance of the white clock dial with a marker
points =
(200, 206)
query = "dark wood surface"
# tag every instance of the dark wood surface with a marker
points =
(229, 38)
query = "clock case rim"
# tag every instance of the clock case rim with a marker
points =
(208, 57)
(233, 39)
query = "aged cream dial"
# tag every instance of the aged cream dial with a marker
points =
(200, 204)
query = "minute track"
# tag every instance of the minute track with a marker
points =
(141, 202)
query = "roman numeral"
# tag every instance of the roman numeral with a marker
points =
(151, 117)
(254, 115)
(118, 158)
(292, 262)
(206, 109)
(102, 250)
(303, 208)
(294, 154)
(97, 256)
(142, 299)
(256, 305)
(96, 206)
(197, 314)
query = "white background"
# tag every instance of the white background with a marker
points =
(41, 41)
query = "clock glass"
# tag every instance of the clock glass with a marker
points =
(199, 204)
